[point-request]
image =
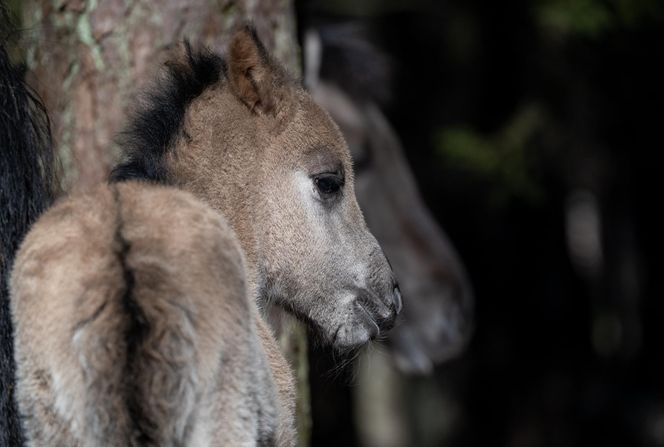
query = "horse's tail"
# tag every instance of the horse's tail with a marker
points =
(26, 189)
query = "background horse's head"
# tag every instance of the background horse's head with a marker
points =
(253, 144)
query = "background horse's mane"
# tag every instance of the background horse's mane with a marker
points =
(353, 61)
(157, 122)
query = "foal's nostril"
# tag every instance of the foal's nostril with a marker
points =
(396, 296)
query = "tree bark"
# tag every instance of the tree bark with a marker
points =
(88, 59)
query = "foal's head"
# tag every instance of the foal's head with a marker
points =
(254, 145)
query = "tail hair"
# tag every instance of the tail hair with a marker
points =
(28, 182)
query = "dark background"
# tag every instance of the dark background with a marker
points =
(510, 113)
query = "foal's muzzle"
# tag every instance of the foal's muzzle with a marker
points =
(381, 312)
(370, 316)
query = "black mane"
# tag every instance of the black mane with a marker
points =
(28, 185)
(156, 124)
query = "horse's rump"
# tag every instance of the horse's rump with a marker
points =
(129, 305)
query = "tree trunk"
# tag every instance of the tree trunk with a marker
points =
(88, 59)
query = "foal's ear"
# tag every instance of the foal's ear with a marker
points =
(252, 75)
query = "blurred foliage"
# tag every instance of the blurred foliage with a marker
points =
(507, 159)
(503, 159)
(592, 18)
(633, 12)
(562, 18)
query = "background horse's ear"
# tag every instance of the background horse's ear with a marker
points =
(251, 72)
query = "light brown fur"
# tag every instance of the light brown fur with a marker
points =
(137, 307)
(204, 352)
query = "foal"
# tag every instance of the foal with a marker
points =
(136, 307)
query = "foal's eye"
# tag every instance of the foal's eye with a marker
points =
(328, 185)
